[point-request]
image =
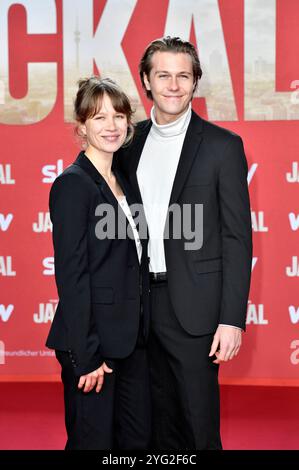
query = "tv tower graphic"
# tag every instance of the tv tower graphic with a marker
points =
(77, 35)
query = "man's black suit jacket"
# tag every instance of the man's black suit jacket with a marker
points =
(209, 285)
(98, 281)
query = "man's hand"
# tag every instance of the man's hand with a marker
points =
(226, 344)
(94, 378)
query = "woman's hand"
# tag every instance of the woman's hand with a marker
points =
(94, 378)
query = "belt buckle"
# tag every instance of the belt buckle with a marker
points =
(159, 277)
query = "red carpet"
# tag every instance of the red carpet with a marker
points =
(31, 417)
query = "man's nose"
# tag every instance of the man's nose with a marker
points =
(173, 83)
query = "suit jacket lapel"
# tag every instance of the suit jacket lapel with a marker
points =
(190, 147)
(98, 179)
(127, 190)
(100, 182)
(136, 207)
(136, 151)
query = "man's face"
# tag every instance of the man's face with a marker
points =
(171, 82)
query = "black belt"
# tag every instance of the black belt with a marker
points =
(158, 277)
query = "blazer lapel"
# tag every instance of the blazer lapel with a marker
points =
(124, 186)
(98, 179)
(191, 144)
(136, 151)
(137, 208)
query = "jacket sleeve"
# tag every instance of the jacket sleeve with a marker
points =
(69, 210)
(236, 234)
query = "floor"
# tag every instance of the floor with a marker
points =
(31, 417)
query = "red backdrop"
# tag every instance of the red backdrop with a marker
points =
(249, 53)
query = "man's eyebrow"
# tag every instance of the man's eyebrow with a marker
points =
(167, 71)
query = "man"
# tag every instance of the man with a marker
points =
(199, 295)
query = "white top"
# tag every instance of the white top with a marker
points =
(122, 201)
(155, 174)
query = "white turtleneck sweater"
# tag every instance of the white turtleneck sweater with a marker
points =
(156, 171)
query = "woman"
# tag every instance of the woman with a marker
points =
(99, 329)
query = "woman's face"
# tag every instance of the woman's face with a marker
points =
(107, 130)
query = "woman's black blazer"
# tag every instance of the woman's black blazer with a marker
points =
(103, 289)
